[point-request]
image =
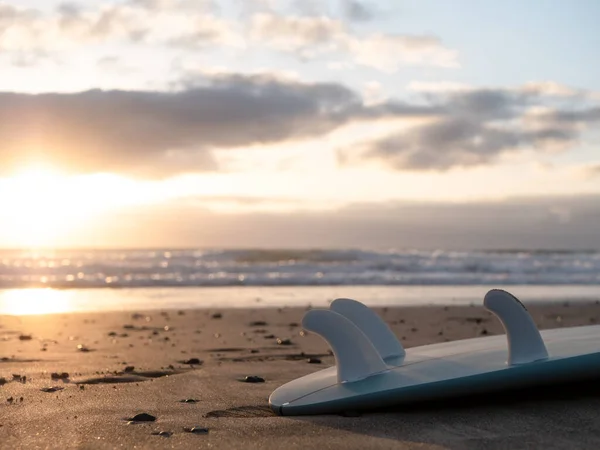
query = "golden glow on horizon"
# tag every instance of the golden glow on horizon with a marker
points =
(41, 207)
(20, 302)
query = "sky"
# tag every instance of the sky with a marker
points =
(265, 123)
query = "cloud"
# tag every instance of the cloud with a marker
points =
(184, 23)
(308, 35)
(193, 26)
(311, 36)
(161, 133)
(156, 133)
(357, 11)
(477, 126)
(388, 52)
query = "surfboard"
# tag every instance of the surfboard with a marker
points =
(373, 370)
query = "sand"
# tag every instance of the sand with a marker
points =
(140, 363)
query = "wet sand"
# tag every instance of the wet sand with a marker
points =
(74, 380)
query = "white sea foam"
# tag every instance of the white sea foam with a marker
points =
(174, 268)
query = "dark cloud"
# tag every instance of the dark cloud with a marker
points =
(475, 127)
(357, 11)
(456, 142)
(161, 133)
(568, 222)
(583, 115)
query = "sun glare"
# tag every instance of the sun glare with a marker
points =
(42, 207)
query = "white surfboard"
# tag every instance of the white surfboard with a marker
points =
(373, 370)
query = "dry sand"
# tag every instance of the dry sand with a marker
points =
(89, 409)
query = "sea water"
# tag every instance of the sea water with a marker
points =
(84, 280)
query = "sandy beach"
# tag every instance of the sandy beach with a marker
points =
(74, 380)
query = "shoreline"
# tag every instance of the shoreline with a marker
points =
(47, 300)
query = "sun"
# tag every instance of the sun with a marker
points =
(42, 207)
(37, 207)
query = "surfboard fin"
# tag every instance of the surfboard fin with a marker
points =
(525, 344)
(385, 342)
(356, 356)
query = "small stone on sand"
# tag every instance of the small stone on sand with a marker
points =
(253, 379)
(162, 433)
(196, 430)
(59, 376)
(142, 417)
(191, 361)
(52, 389)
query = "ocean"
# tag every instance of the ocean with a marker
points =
(175, 278)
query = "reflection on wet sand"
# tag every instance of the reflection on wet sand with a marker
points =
(35, 301)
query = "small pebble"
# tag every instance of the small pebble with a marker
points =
(59, 376)
(162, 433)
(284, 342)
(142, 417)
(313, 361)
(196, 430)
(191, 361)
(253, 379)
(217, 316)
(25, 337)
(83, 348)
(129, 369)
(188, 400)
(52, 389)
